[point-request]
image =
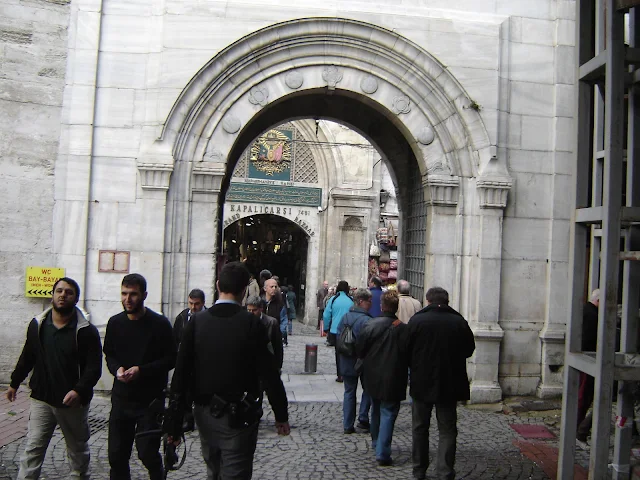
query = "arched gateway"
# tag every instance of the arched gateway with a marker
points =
(400, 98)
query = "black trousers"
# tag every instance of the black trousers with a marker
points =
(421, 420)
(125, 421)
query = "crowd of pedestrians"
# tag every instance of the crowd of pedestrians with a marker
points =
(226, 357)
(386, 340)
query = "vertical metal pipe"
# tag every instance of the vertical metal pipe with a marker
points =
(612, 202)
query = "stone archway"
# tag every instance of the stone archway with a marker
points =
(399, 97)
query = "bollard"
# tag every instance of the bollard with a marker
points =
(311, 358)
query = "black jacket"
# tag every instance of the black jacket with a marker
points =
(273, 330)
(381, 344)
(89, 351)
(439, 343)
(178, 326)
(225, 351)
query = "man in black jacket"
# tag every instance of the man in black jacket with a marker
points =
(63, 350)
(224, 355)
(140, 351)
(439, 341)
(196, 304)
(381, 343)
(256, 305)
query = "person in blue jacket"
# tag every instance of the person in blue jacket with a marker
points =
(336, 308)
(375, 286)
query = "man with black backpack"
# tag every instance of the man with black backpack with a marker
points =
(347, 334)
(381, 345)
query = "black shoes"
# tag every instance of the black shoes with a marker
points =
(385, 463)
(363, 426)
(349, 431)
(339, 379)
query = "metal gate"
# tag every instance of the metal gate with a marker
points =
(415, 234)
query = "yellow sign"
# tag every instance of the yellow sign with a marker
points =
(40, 280)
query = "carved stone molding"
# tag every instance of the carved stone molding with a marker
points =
(442, 190)
(294, 79)
(155, 176)
(259, 95)
(332, 75)
(426, 136)
(353, 223)
(369, 84)
(493, 192)
(231, 124)
(207, 178)
(401, 104)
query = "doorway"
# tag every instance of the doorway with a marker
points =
(273, 243)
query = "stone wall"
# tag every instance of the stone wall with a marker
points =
(33, 51)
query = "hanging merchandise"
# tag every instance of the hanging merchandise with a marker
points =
(383, 235)
(393, 254)
(391, 232)
(384, 276)
(384, 267)
(393, 264)
(393, 274)
(374, 251)
(373, 267)
(384, 257)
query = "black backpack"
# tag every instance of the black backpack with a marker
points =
(346, 342)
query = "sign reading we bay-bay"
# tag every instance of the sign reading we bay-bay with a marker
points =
(39, 281)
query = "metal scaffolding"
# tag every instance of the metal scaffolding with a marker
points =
(605, 231)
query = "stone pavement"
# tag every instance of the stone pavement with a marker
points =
(317, 448)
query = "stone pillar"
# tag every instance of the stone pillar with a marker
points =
(205, 188)
(441, 262)
(484, 364)
(154, 180)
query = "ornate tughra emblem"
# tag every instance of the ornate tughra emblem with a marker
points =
(271, 153)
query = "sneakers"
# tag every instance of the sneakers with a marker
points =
(349, 431)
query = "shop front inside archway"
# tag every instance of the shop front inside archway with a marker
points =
(273, 243)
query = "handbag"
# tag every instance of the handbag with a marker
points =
(374, 251)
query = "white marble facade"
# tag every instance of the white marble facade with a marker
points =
(472, 101)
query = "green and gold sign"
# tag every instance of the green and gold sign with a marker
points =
(271, 156)
(274, 194)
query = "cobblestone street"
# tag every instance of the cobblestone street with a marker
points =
(317, 448)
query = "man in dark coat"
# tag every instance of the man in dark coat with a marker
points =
(225, 359)
(320, 296)
(256, 306)
(355, 318)
(196, 304)
(381, 345)
(439, 341)
(589, 344)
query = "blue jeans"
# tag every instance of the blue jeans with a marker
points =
(383, 419)
(349, 403)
